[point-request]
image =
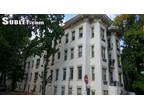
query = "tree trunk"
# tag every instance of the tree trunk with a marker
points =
(44, 82)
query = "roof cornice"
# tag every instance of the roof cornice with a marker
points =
(80, 17)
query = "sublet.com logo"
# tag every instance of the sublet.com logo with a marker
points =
(7, 21)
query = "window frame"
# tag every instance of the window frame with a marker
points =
(35, 77)
(71, 73)
(55, 90)
(80, 32)
(65, 55)
(64, 74)
(72, 53)
(92, 32)
(66, 38)
(73, 35)
(102, 34)
(79, 88)
(63, 90)
(57, 74)
(80, 50)
(105, 92)
(93, 73)
(104, 76)
(58, 55)
(70, 90)
(92, 51)
(103, 53)
(37, 63)
(79, 72)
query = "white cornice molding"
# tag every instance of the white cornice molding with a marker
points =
(87, 17)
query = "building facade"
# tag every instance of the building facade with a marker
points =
(90, 47)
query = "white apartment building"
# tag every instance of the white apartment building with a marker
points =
(89, 47)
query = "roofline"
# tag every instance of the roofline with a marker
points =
(77, 18)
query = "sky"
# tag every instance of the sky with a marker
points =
(69, 16)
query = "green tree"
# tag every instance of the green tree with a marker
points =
(132, 31)
(46, 39)
(13, 41)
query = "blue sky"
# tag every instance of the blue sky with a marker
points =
(69, 16)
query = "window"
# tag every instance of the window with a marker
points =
(28, 87)
(55, 90)
(26, 76)
(104, 76)
(73, 35)
(110, 44)
(102, 34)
(120, 78)
(79, 91)
(52, 63)
(117, 44)
(33, 63)
(57, 74)
(51, 75)
(36, 77)
(42, 73)
(118, 59)
(66, 38)
(64, 74)
(103, 54)
(72, 53)
(111, 76)
(37, 63)
(88, 91)
(93, 72)
(79, 51)
(34, 88)
(59, 41)
(63, 90)
(109, 56)
(40, 88)
(44, 59)
(71, 73)
(30, 76)
(92, 51)
(79, 72)
(70, 91)
(65, 55)
(81, 32)
(92, 32)
(24, 88)
(105, 92)
(58, 55)
(93, 92)
(28, 65)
